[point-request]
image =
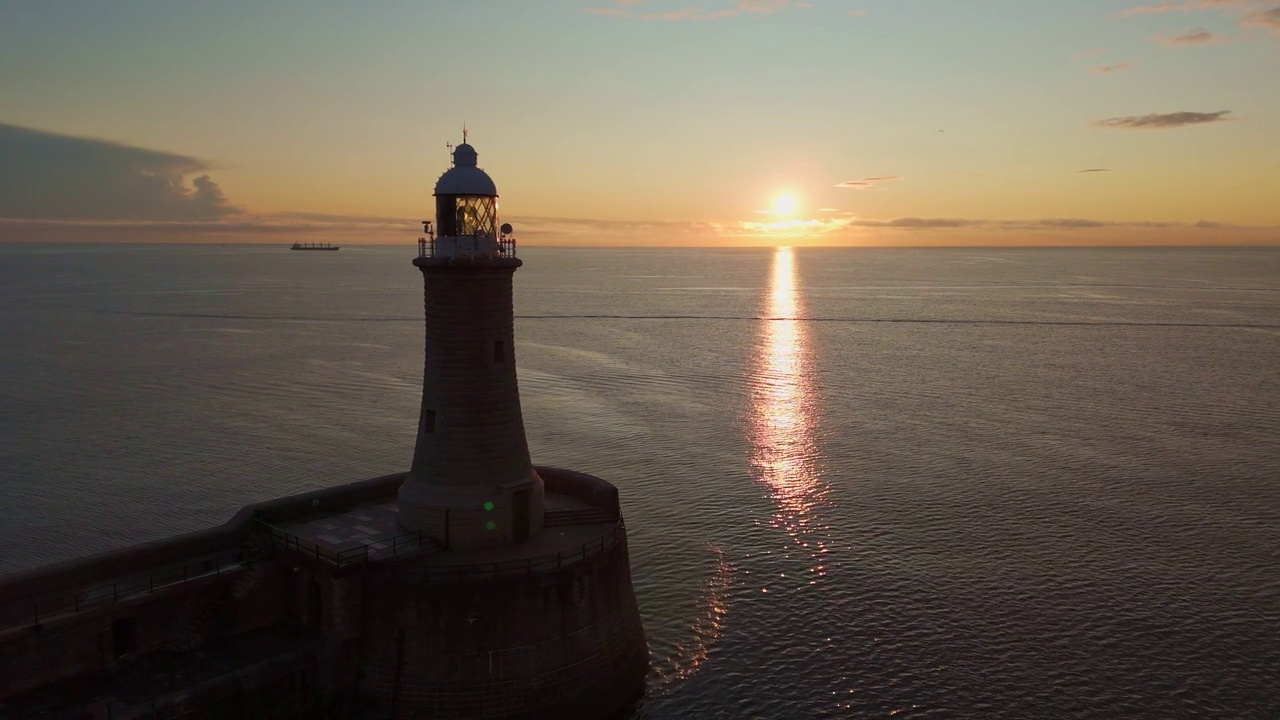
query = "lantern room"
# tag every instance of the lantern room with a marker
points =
(467, 212)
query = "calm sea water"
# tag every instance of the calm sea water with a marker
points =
(867, 483)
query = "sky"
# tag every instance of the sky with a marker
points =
(646, 122)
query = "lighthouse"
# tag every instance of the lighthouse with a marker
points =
(472, 483)
(512, 597)
(473, 585)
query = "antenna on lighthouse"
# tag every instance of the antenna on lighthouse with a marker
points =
(464, 132)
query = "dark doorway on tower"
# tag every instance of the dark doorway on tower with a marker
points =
(315, 605)
(124, 636)
(520, 515)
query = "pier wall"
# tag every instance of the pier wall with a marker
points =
(88, 638)
(564, 643)
(90, 616)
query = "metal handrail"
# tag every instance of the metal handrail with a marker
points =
(341, 558)
(509, 568)
(506, 247)
(39, 608)
(415, 539)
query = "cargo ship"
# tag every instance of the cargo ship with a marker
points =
(313, 246)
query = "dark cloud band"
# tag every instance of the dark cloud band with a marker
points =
(1157, 121)
(48, 176)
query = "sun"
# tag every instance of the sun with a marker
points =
(784, 204)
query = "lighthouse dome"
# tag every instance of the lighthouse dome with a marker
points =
(464, 154)
(464, 178)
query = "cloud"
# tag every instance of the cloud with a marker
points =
(737, 7)
(284, 228)
(352, 220)
(762, 7)
(1093, 170)
(581, 231)
(1198, 36)
(1151, 9)
(1245, 13)
(927, 223)
(1068, 223)
(1161, 121)
(284, 223)
(913, 222)
(45, 175)
(952, 231)
(1188, 6)
(1105, 69)
(866, 183)
(1266, 19)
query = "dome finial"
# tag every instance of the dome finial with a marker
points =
(464, 131)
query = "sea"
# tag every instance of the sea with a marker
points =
(858, 482)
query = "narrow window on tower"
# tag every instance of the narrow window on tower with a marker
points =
(428, 421)
(499, 351)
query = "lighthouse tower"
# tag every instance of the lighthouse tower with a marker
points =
(472, 483)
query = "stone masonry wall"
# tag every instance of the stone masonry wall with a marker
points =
(478, 427)
(561, 644)
(84, 643)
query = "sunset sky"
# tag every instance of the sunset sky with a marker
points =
(862, 122)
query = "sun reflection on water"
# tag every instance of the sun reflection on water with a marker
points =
(688, 656)
(782, 415)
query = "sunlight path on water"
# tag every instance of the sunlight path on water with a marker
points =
(782, 415)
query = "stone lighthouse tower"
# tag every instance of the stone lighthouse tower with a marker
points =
(472, 483)
(513, 598)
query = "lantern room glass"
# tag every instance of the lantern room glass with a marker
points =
(463, 215)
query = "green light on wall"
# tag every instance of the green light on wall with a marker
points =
(488, 505)
(490, 525)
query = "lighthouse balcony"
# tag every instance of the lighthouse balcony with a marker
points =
(467, 246)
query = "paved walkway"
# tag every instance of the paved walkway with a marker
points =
(376, 527)
(371, 526)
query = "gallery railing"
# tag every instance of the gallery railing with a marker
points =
(442, 573)
(40, 608)
(438, 573)
(406, 542)
(473, 246)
